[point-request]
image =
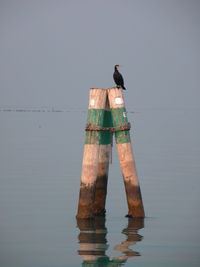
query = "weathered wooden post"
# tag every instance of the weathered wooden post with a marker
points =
(103, 165)
(97, 103)
(122, 137)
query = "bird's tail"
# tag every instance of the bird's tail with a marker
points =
(123, 88)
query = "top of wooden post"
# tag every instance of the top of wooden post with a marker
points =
(116, 98)
(97, 98)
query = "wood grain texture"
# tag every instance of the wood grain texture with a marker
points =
(97, 100)
(131, 182)
(102, 180)
(114, 93)
(125, 153)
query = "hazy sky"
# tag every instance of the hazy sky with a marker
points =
(53, 51)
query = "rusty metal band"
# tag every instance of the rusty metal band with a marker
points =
(124, 127)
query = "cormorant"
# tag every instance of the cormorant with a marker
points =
(118, 78)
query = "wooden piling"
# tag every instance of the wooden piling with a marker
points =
(103, 165)
(96, 112)
(125, 152)
(102, 180)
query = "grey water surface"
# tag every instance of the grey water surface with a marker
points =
(40, 166)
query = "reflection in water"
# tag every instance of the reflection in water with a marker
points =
(93, 242)
(92, 239)
(132, 237)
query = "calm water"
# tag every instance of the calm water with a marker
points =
(40, 167)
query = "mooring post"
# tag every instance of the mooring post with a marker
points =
(124, 148)
(96, 110)
(103, 165)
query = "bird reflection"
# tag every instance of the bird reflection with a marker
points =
(93, 242)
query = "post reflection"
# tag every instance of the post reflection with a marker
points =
(93, 242)
(132, 237)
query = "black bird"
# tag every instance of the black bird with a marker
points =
(118, 78)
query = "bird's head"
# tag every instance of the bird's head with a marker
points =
(116, 67)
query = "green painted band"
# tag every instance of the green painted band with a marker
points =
(99, 117)
(119, 117)
(96, 117)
